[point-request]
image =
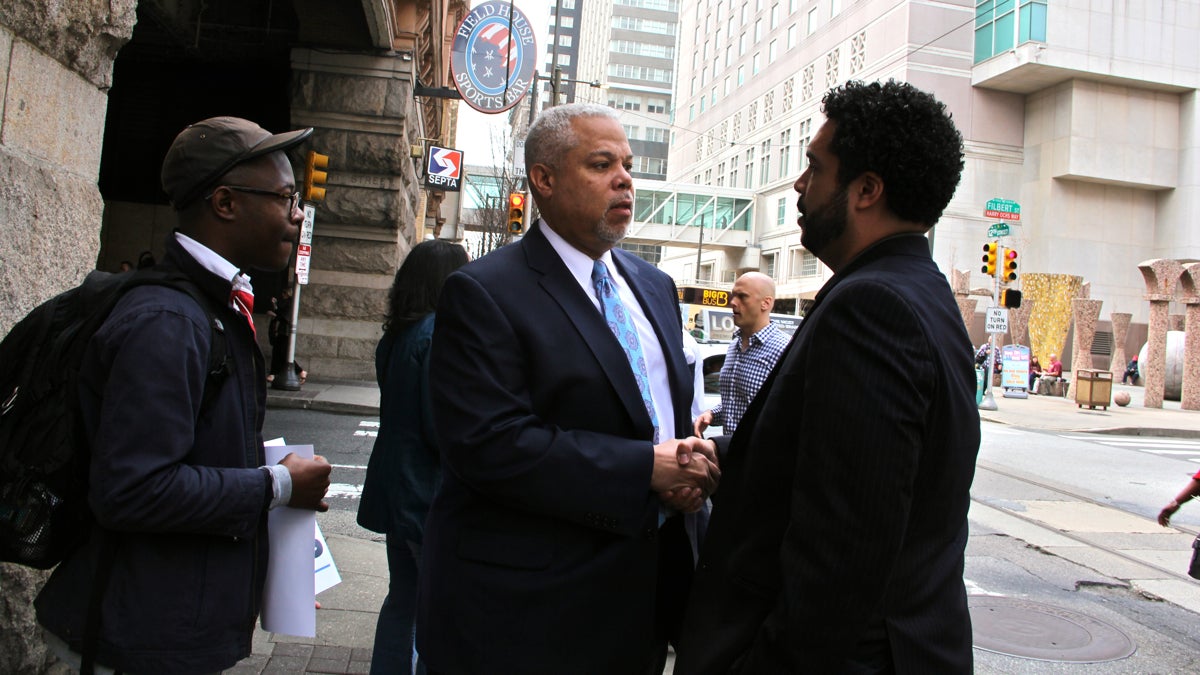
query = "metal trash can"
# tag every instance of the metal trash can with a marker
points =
(1093, 388)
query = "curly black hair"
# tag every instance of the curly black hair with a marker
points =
(903, 134)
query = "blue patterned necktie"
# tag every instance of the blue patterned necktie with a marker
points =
(621, 325)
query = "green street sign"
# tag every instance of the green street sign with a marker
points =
(1002, 209)
(998, 230)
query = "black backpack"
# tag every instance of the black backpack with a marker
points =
(44, 451)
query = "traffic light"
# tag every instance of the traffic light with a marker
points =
(1010, 298)
(1009, 270)
(314, 178)
(516, 212)
(991, 252)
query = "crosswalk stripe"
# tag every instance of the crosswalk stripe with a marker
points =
(367, 434)
(347, 490)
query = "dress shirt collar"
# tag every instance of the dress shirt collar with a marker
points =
(756, 338)
(213, 262)
(580, 264)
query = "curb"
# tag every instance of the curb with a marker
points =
(297, 403)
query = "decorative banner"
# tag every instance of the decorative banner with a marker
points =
(443, 171)
(493, 57)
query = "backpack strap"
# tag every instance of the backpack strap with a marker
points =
(219, 363)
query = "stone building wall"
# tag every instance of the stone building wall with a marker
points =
(56, 63)
(366, 119)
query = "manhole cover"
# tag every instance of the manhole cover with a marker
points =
(1031, 630)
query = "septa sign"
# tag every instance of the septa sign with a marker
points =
(443, 171)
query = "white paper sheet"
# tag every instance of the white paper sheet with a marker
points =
(290, 594)
(325, 569)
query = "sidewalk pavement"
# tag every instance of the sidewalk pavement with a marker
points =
(1109, 541)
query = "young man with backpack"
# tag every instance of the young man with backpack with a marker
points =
(177, 481)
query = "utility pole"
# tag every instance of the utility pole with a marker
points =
(699, 249)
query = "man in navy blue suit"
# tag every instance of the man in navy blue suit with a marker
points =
(550, 547)
(837, 537)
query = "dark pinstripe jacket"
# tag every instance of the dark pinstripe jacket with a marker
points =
(837, 535)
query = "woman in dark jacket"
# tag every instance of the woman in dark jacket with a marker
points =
(404, 469)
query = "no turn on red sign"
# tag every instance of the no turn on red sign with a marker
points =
(996, 320)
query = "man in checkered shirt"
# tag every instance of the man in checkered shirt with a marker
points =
(756, 346)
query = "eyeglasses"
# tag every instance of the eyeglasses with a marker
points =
(293, 199)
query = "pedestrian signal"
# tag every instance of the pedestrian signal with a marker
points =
(1009, 271)
(516, 212)
(1010, 298)
(991, 252)
(314, 178)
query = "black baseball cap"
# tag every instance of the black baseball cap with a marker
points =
(207, 150)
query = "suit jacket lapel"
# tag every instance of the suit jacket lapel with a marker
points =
(559, 284)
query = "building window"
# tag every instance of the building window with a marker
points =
(757, 31)
(742, 44)
(649, 165)
(774, 16)
(785, 152)
(791, 36)
(749, 167)
(757, 62)
(1032, 24)
(741, 76)
(656, 105)
(622, 102)
(803, 264)
(764, 162)
(812, 20)
(644, 73)
(1001, 24)
(706, 272)
(646, 49)
(781, 211)
(567, 22)
(771, 51)
(655, 135)
(564, 40)
(721, 174)
(631, 132)
(769, 262)
(835, 6)
(805, 129)
(643, 25)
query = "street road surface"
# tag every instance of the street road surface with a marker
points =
(1133, 474)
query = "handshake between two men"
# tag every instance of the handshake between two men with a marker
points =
(685, 472)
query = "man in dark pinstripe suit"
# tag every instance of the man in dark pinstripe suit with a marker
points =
(837, 536)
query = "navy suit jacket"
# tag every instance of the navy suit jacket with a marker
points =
(838, 532)
(541, 545)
